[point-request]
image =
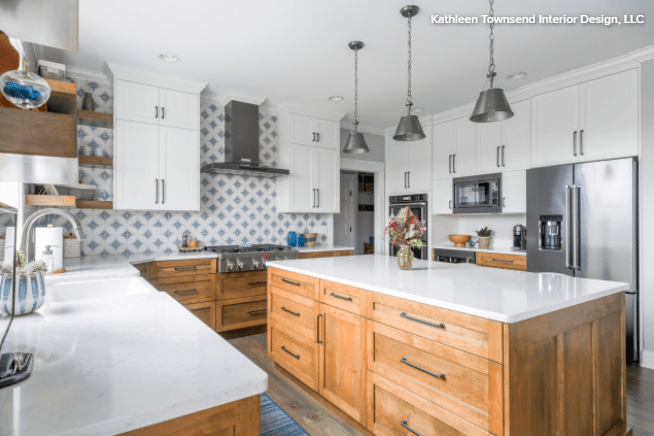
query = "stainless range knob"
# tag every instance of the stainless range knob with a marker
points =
(240, 264)
(230, 265)
(258, 264)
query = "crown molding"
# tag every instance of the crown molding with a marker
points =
(643, 55)
(87, 74)
(288, 106)
(346, 125)
(245, 97)
(118, 71)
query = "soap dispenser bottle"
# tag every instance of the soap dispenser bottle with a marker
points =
(48, 258)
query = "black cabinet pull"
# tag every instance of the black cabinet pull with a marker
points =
(156, 111)
(183, 268)
(314, 137)
(297, 356)
(440, 325)
(256, 312)
(502, 260)
(503, 148)
(163, 113)
(290, 311)
(257, 283)
(163, 191)
(285, 280)
(341, 297)
(426, 371)
(405, 424)
(318, 328)
(185, 291)
(156, 186)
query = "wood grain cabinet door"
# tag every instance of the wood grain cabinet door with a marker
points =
(342, 374)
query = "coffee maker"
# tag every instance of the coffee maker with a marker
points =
(519, 238)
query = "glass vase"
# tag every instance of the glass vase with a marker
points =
(405, 257)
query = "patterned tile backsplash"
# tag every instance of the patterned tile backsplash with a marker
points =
(234, 209)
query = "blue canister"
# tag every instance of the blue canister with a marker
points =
(291, 239)
(300, 240)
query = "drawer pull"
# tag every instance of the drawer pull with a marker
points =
(290, 311)
(256, 312)
(406, 362)
(183, 268)
(341, 297)
(285, 280)
(185, 291)
(297, 356)
(431, 324)
(257, 283)
(502, 260)
(405, 424)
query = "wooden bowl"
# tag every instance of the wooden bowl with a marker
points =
(459, 240)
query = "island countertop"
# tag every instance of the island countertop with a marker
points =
(496, 294)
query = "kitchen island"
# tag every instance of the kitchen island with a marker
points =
(452, 349)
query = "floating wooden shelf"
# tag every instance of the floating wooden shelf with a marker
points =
(94, 204)
(37, 133)
(95, 161)
(95, 119)
(50, 200)
(63, 98)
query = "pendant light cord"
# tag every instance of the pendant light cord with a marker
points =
(409, 100)
(356, 88)
(491, 37)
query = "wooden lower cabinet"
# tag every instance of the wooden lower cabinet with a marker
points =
(238, 313)
(297, 354)
(205, 311)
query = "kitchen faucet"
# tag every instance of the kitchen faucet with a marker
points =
(29, 223)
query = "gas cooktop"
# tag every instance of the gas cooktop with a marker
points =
(234, 258)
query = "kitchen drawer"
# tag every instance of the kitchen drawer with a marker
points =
(238, 285)
(295, 353)
(187, 289)
(394, 411)
(504, 261)
(468, 386)
(205, 311)
(478, 336)
(176, 268)
(320, 254)
(297, 313)
(239, 313)
(344, 297)
(299, 284)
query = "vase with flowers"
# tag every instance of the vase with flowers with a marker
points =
(405, 231)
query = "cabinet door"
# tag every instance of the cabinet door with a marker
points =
(420, 159)
(303, 130)
(136, 166)
(490, 147)
(328, 134)
(180, 169)
(342, 372)
(397, 162)
(444, 136)
(609, 117)
(554, 120)
(442, 197)
(326, 180)
(516, 138)
(180, 109)
(301, 196)
(137, 102)
(464, 161)
(514, 192)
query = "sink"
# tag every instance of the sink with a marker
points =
(96, 289)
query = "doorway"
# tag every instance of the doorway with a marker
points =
(354, 226)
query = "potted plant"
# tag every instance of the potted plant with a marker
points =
(484, 237)
(405, 231)
(29, 283)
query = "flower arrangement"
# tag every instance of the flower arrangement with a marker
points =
(405, 230)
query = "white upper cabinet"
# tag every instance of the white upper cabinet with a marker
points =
(592, 121)
(442, 197)
(178, 164)
(408, 164)
(505, 146)
(179, 109)
(514, 192)
(455, 148)
(309, 146)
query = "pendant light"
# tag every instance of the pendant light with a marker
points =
(356, 143)
(409, 128)
(492, 105)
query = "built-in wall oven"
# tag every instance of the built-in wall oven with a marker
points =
(478, 194)
(418, 205)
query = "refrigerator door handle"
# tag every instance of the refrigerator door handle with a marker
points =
(576, 253)
(568, 263)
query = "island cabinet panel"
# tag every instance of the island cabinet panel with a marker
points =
(241, 284)
(238, 313)
(342, 340)
(188, 289)
(297, 313)
(394, 411)
(474, 335)
(295, 353)
(344, 297)
(466, 385)
(177, 268)
(205, 311)
(565, 372)
(300, 284)
(239, 418)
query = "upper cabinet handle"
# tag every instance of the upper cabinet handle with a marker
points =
(156, 111)
(450, 164)
(314, 137)
(163, 191)
(581, 142)
(163, 112)
(156, 186)
(454, 163)
(503, 148)
(318, 136)
(497, 156)
(574, 143)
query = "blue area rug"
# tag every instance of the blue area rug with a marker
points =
(276, 422)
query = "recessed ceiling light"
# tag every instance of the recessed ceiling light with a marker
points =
(517, 75)
(168, 57)
(336, 98)
(418, 109)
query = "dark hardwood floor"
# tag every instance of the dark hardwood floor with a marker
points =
(319, 420)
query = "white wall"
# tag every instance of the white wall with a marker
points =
(647, 218)
(501, 225)
(375, 144)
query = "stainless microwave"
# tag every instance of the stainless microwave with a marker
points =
(478, 194)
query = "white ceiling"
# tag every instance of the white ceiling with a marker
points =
(297, 50)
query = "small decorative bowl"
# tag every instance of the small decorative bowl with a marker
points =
(30, 291)
(459, 240)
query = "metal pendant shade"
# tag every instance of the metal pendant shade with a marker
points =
(356, 143)
(409, 128)
(492, 105)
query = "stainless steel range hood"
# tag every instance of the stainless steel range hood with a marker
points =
(242, 144)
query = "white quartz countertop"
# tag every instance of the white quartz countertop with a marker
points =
(105, 366)
(323, 248)
(496, 294)
(499, 250)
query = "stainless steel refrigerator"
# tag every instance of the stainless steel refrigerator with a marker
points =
(582, 220)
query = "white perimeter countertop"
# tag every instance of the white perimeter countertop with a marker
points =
(496, 294)
(108, 366)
